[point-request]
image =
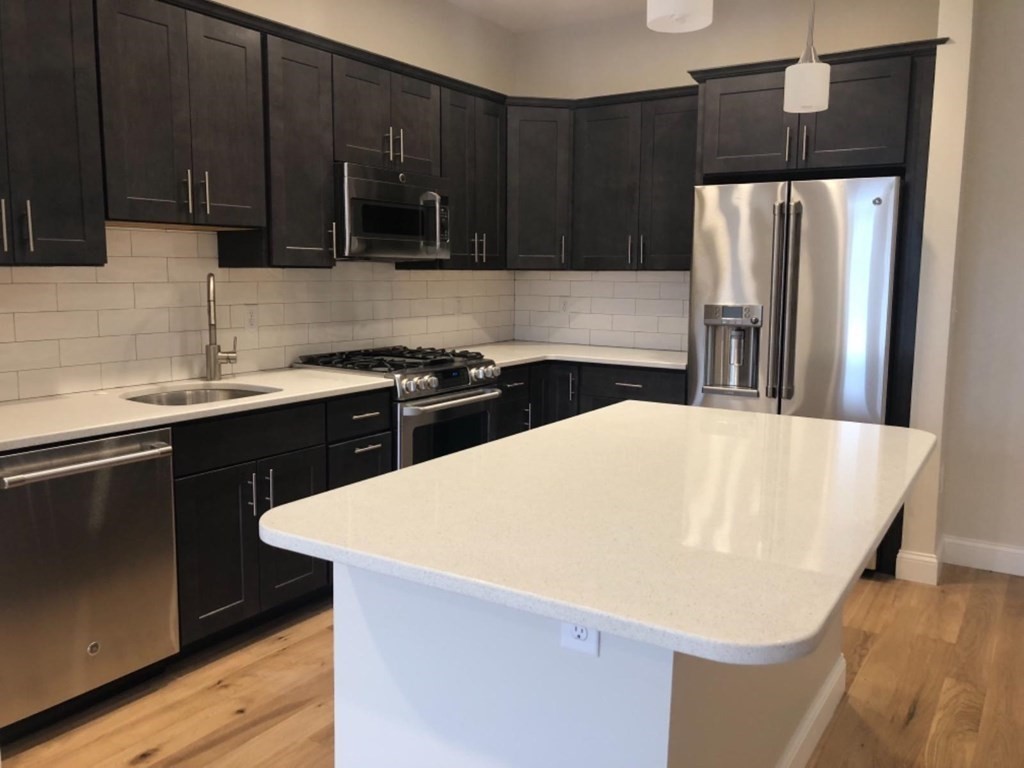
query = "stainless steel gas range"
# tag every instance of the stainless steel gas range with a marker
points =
(444, 398)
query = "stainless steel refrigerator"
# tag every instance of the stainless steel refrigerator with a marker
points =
(790, 297)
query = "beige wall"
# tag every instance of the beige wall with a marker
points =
(427, 33)
(984, 484)
(621, 54)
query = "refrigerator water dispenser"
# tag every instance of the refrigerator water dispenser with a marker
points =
(733, 340)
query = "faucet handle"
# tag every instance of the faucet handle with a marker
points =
(231, 356)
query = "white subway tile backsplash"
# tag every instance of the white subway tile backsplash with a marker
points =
(8, 386)
(320, 333)
(194, 270)
(35, 326)
(637, 290)
(660, 307)
(28, 298)
(149, 295)
(673, 325)
(412, 289)
(306, 313)
(72, 296)
(614, 306)
(119, 242)
(135, 372)
(133, 270)
(634, 323)
(670, 341)
(591, 322)
(283, 335)
(103, 349)
(6, 328)
(29, 355)
(5, 275)
(187, 318)
(165, 243)
(569, 336)
(59, 381)
(175, 344)
(53, 275)
(116, 322)
(613, 338)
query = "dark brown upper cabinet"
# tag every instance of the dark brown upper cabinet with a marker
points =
(300, 134)
(385, 119)
(51, 181)
(182, 116)
(606, 187)
(635, 168)
(539, 187)
(746, 129)
(473, 164)
(668, 172)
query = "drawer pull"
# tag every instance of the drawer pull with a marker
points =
(514, 384)
(361, 416)
(368, 448)
(627, 384)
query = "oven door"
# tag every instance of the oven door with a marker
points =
(437, 426)
(392, 216)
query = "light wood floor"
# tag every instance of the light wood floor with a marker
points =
(935, 677)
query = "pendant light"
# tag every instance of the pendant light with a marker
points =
(807, 81)
(679, 15)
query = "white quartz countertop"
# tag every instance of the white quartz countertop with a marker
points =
(509, 353)
(28, 423)
(725, 535)
(31, 423)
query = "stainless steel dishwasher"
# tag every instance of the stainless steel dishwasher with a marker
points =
(88, 586)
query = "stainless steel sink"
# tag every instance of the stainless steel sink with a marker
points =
(198, 394)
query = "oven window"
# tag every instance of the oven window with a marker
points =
(434, 440)
(391, 220)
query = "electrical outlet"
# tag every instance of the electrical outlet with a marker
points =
(576, 637)
(251, 317)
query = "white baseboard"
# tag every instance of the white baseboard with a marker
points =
(984, 555)
(922, 567)
(816, 719)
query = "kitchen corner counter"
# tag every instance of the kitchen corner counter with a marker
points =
(509, 353)
(32, 423)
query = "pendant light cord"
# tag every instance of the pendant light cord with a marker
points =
(810, 55)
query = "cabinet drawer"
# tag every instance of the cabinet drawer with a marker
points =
(200, 446)
(515, 380)
(359, 459)
(621, 383)
(357, 415)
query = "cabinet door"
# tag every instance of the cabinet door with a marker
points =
(300, 126)
(457, 168)
(606, 185)
(539, 187)
(416, 119)
(745, 128)
(226, 93)
(362, 113)
(286, 575)
(866, 120)
(555, 392)
(513, 412)
(215, 519)
(147, 134)
(489, 182)
(55, 213)
(667, 174)
(359, 459)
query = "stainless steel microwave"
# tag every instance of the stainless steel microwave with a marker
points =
(391, 215)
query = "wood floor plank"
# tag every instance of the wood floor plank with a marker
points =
(954, 732)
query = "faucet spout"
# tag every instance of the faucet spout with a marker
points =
(214, 357)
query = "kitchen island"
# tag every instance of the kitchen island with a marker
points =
(711, 550)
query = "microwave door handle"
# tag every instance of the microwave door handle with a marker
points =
(795, 218)
(437, 213)
(775, 314)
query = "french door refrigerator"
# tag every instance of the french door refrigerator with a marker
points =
(790, 297)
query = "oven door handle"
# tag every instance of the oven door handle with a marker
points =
(428, 195)
(455, 402)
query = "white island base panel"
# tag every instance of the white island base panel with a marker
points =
(426, 678)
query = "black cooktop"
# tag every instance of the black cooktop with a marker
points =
(391, 359)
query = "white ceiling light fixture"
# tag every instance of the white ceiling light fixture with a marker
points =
(807, 81)
(679, 15)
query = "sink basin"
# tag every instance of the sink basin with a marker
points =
(196, 394)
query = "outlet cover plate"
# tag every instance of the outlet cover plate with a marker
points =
(581, 639)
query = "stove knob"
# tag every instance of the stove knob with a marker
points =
(433, 382)
(409, 386)
(494, 370)
(476, 374)
(422, 383)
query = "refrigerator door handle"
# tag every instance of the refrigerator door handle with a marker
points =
(796, 213)
(775, 316)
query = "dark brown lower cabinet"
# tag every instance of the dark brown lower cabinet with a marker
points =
(514, 410)
(360, 459)
(555, 392)
(218, 555)
(284, 575)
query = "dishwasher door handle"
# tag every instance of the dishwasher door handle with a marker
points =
(16, 481)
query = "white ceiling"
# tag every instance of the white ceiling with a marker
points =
(524, 15)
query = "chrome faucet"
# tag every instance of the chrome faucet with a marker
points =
(214, 357)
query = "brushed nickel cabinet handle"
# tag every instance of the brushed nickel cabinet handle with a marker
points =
(206, 189)
(789, 135)
(572, 393)
(627, 384)
(629, 249)
(529, 416)
(334, 239)
(803, 151)
(485, 248)
(476, 249)
(252, 485)
(368, 415)
(401, 145)
(3, 220)
(390, 135)
(31, 231)
(188, 189)
(368, 448)
(270, 486)
(563, 249)
(641, 250)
